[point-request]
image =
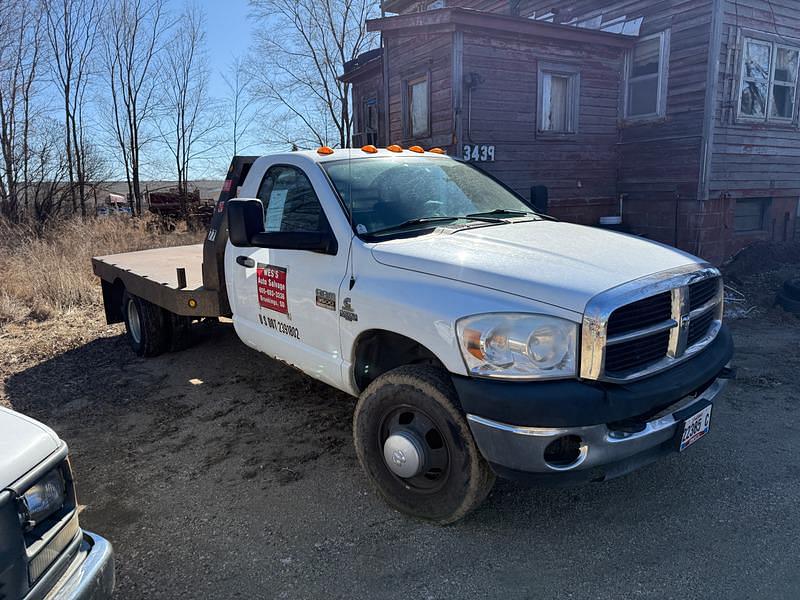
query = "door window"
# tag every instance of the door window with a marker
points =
(290, 203)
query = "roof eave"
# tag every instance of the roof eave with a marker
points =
(463, 17)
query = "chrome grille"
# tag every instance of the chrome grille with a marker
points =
(650, 324)
(640, 314)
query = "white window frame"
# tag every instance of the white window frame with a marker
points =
(663, 78)
(773, 61)
(573, 75)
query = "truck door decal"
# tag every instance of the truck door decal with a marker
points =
(271, 281)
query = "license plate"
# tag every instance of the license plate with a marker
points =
(695, 427)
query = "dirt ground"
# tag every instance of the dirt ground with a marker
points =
(217, 472)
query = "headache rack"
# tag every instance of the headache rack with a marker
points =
(650, 324)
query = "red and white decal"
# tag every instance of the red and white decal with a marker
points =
(272, 288)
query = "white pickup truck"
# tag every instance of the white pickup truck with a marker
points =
(43, 551)
(480, 337)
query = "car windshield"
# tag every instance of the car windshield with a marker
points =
(386, 194)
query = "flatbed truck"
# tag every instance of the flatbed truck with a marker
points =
(480, 337)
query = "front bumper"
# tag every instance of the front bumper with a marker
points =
(90, 576)
(606, 451)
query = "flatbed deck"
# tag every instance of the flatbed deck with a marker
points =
(153, 276)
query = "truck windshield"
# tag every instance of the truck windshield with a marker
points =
(387, 194)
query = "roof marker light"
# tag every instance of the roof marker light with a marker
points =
(437, 151)
(416, 149)
(369, 149)
(325, 150)
(394, 148)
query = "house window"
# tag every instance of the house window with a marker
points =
(417, 108)
(370, 120)
(559, 92)
(769, 81)
(750, 214)
(646, 93)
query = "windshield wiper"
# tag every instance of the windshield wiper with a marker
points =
(412, 223)
(426, 220)
(502, 211)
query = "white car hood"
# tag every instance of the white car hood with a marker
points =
(24, 443)
(561, 264)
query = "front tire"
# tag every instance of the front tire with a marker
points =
(414, 444)
(145, 325)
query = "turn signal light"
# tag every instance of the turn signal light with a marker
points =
(416, 149)
(369, 148)
(325, 150)
(437, 151)
(394, 148)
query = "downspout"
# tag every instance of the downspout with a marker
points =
(709, 114)
(385, 66)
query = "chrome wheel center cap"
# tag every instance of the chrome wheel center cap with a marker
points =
(403, 454)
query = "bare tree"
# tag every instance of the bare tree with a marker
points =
(133, 37)
(20, 53)
(302, 48)
(243, 105)
(72, 31)
(186, 120)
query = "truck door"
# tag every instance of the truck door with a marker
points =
(286, 299)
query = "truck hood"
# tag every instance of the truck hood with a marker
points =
(24, 443)
(561, 264)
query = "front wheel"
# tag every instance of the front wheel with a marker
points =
(415, 445)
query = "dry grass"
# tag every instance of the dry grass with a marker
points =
(49, 273)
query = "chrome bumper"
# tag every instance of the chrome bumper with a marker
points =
(521, 449)
(90, 576)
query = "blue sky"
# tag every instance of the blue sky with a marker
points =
(228, 34)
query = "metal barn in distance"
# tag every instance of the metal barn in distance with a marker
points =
(679, 115)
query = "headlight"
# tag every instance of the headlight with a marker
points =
(518, 346)
(44, 498)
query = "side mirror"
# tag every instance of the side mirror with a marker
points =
(246, 229)
(245, 220)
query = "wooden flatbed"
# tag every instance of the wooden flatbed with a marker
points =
(186, 281)
(153, 276)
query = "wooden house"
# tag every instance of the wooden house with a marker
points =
(680, 116)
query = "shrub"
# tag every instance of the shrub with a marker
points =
(43, 273)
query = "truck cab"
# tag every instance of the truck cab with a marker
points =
(481, 337)
(44, 553)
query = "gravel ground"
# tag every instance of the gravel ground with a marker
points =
(217, 472)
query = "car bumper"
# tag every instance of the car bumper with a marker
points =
(606, 451)
(90, 576)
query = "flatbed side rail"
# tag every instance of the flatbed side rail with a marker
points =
(187, 302)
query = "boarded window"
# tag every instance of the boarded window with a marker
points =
(559, 88)
(646, 81)
(769, 81)
(751, 214)
(418, 111)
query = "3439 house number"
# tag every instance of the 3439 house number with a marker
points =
(478, 152)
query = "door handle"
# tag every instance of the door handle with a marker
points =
(245, 261)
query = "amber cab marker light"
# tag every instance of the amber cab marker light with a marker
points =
(325, 150)
(394, 148)
(369, 149)
(416, 149)
(437, 151)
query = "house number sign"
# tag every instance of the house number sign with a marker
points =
(478, 152)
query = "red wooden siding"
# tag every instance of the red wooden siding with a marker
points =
(754, 160)
(579, 169)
